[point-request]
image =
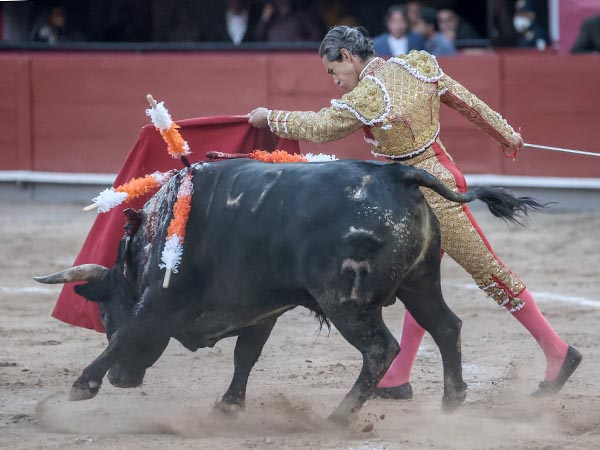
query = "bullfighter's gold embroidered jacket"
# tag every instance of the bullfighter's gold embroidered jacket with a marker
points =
(397, 102)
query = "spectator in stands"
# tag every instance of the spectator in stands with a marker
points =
(282, 21)
(53, 30)
(435, 42)
(588, 39)
(530, 34)
(240, 21)
(399, 39)
(413, 12)
(454, 27)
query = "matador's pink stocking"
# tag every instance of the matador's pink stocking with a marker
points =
(555, 349)
(399, 371)
(530, 316)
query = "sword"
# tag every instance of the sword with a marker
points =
(558, 149)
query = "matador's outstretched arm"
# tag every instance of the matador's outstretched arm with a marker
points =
(469, 105)
(326, 125)
(366, 104)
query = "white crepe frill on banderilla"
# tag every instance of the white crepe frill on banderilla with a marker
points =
(320, 157)
(173, 249)
(111, 197)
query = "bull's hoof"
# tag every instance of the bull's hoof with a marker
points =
(122, 378)
(84, 390)
(401, 392)
(228, 409)
(451, 401)
(569, 365)
(342, 419)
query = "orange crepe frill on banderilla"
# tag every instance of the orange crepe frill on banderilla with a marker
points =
(277, 156)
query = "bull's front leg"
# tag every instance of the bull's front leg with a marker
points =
(363, 327)
(123, 343)
(248, 348)
(89, 382)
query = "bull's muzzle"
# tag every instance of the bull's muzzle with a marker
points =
(84, 272)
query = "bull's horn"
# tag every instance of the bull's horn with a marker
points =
(85, 272)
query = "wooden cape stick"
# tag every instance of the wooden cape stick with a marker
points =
(153, 104)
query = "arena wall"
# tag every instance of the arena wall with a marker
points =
(81, 112)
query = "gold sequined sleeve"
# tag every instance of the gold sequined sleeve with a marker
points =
(459, 98)
(326, 125)
(364, 105)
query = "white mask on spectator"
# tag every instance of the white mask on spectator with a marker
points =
(521, 23)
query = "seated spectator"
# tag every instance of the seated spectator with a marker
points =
(413, 12)
(588, 39)
(53, 30)
(454, 27)
(281, 21)
(240, 20)
(435, 42)
(530, 34)
(399, 39)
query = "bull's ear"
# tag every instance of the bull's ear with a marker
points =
(93, 291)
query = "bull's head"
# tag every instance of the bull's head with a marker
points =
(112, 291)
(107, 287)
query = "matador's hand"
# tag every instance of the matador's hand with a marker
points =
(516, 145)
(258, 117)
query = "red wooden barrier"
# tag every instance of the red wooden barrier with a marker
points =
(81, 112)
(556, 99)
(15, 113)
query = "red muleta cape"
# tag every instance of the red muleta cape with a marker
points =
(230, 134)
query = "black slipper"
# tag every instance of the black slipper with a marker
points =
(569, 365)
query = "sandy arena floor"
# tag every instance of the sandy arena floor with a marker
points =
(302, 375)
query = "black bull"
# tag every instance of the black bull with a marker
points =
(342, 239)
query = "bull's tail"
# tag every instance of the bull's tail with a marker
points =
(500, 202)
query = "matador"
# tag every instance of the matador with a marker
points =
(396, 103)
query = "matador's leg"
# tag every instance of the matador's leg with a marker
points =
(464, 241)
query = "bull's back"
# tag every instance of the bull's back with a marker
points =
(251, 196)
(276, 217)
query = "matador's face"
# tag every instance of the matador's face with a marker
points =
(343, 72)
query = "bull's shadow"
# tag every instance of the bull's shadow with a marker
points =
(342, 238)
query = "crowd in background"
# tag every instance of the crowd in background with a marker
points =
(441, 27)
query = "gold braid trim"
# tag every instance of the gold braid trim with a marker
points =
(368, 103)
(420, 64)
(459, 98)
(326, 125)
(502, 295)
(463, 243)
